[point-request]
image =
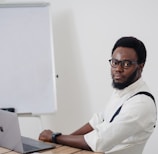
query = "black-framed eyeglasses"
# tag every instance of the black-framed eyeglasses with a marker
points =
(124, 63)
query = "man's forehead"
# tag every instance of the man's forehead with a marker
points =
(124, 53)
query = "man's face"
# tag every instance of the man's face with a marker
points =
(123, 74)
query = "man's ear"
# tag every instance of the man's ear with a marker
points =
(141, 66)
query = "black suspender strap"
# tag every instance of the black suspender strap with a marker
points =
(146, 93)
(116, 113)
(139, 93)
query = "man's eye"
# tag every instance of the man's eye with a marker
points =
(115, 63)
(127, 63)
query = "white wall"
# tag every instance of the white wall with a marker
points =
(84, 33)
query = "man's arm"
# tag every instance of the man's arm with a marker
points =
(83, 130)
(76, 139)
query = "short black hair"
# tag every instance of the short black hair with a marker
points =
(137, 45)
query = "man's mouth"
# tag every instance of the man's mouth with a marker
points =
(118, 76)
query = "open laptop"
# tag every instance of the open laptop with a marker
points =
(10, 136)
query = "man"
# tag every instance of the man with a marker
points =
(130, 117)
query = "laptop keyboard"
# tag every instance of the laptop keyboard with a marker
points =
(29, 147)
(32, 145)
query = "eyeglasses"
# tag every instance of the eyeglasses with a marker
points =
(124, 63)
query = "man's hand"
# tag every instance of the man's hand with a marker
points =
(46, 136)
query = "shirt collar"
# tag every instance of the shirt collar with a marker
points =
(128, 90)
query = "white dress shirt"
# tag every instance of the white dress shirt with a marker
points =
(131, 127)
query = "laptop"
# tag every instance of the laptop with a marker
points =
(10, 136)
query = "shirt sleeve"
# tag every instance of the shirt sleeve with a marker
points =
(96, 120)
(134, 117)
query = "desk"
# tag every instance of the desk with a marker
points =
(58, 150)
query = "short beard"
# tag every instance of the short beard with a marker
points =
(125, 84)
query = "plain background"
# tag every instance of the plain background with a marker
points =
(84, 33)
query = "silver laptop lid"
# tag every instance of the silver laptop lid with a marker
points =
(10, 137)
